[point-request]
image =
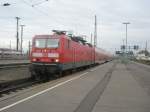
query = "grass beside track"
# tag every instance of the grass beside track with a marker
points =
(143, 62)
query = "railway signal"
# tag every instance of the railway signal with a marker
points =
(123, 47)
(135, 47)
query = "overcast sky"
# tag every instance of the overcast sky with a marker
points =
(78, 15)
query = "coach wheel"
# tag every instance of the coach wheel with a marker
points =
(58, 74)
(46, 76)
(33, 75)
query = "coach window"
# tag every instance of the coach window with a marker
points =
(40, 43)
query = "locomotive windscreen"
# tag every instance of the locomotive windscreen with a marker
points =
(46, 43)
(52, 43)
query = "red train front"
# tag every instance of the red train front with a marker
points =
(52, 54)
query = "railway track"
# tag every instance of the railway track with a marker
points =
(16, 85)
(8, 87)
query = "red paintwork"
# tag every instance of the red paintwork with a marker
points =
(74, 52)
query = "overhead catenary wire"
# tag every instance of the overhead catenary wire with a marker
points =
(41, 2)
(40, 9)
(35, 8)
(31, 3)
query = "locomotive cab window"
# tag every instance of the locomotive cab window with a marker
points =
(52, 43)
(40, 43)
(46, 43)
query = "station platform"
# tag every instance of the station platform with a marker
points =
(12, 74)
(123, 94)
(6, 62)
(110, 87)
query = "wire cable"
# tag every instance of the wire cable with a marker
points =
(39, 3)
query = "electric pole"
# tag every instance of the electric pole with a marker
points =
(10, 45)
(17, 34)
(123, 41)
(95, 32)
(22, 26)
(29, 49)
(91, 39)
(146, 49)
(95, 38)
(123, 46)
(146, 46)
(92, 49)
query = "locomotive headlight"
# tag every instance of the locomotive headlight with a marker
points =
(56, 60)
(34, 59)
(45, 50)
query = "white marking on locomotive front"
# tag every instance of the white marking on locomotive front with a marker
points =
(53, 55)
(37, 54)
(39, 93)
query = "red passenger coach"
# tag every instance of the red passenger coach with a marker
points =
(52, 54)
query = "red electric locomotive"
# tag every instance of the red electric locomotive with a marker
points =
(52, 54)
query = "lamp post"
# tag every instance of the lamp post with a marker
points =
(126, 23)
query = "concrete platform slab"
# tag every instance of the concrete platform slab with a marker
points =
(16, 73)
(123, 94)
(13, 61)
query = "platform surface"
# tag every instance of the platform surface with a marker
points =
(123, 94)
(111, 87)
(16, 73)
